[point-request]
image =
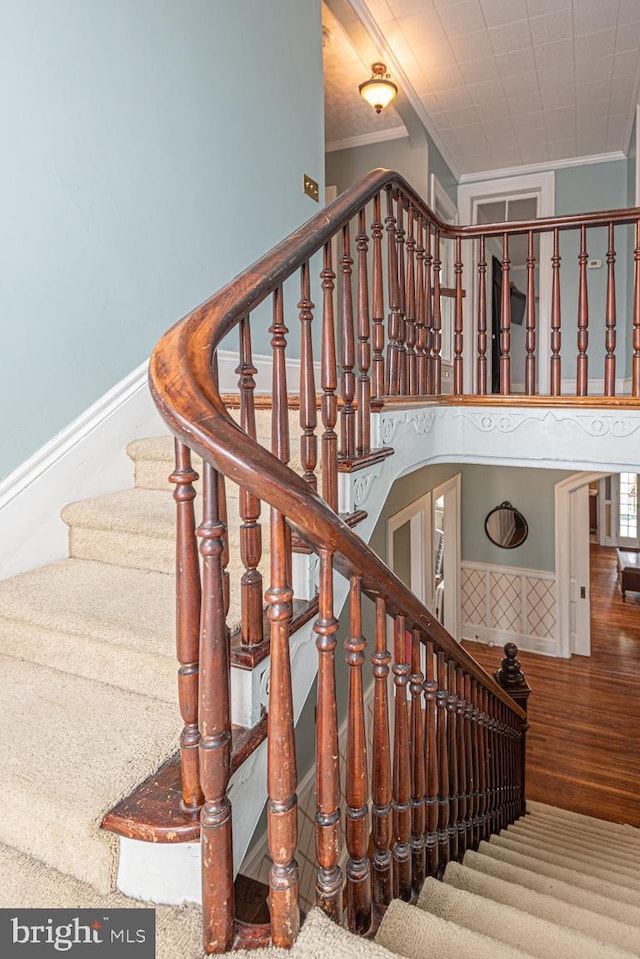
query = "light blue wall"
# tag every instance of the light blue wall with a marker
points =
(582, 189)
(156, 149)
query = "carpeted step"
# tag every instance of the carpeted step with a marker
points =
(598, 925)
(573, 860)
(581, 822)
(556, 834)
(510, 925)
(585, 880)
(70, 748)
(597, 898)
(416, 934)
(624, 862)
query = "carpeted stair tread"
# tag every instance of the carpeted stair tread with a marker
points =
(597, 845)
(26, 883)
(622, 835)
(586, 880)
(598, 897)
(598, 925)
(510, 925)
(580, 821)
(416, 934)
(574, 860)
(626, 863)
(71, 748)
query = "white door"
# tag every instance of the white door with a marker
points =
(580, 620)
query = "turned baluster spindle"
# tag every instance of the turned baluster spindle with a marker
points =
(421, 332)
(511, 678)
(469, 765)
(308, 415)
(348, 359)
(401, 768)
(222, 510)
(556, 317)
(477, 759)
(411, 386)
(505, 320)
(282, 804)
(461, 755)
(431, 764)
(377, 303)
(395, 318)
(436, 326)
(635, 367)
(452, 748)
(582, 363)
(610, 319)
(357, 820)
(252, 630)
(530, 321)
(381, 772)
(418, 783)
(481, 365)
(501, 744)
(188, 597)
(458, 367)
(484, 779)
(442, 696)
(363, 444)
(402, 291)
(215, 729)
(493, 765)
(329, 408)
(329, 878)
(428, 310)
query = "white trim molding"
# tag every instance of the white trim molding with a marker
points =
(366, 139)
(541, 167)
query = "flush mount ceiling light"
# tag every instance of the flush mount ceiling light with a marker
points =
(379, 91)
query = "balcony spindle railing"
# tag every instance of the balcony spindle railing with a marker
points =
(436, 327)
(363, 443)
(329, 378)
(481, 367)
(635, 368)
(348, 358)
(418, 778)
(308, 413)
(381, 794)
(401, 767)
(610, 319)
(411, 386)
(530, 321)
(458, 370)
(582, 364)
(556, 322)
(505, 320)
(377, 303)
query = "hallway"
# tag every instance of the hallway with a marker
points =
(582, 751)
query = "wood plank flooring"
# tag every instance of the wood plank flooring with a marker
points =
(583, 745)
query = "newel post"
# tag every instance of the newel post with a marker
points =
(513, 681)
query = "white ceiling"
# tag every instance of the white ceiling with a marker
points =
(498, 83)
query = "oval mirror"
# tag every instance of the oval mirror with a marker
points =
(506, 526)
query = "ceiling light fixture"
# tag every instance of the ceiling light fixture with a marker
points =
(379, 91)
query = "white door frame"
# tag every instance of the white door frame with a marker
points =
(541, 186)
(451, 489)
(418, 515)
(564, 531)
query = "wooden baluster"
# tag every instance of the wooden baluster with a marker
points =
(452, 747)
(582, 364)
(421, 332)
(505, 320)
(381, 772)
(411, 367)
(470, 768)
(482, 320)
(443, 766)
(511, 678)
(635, 369)
(458, 370)
(502, 779)
(329, 879)
(436, 327)
(215, 729)
(348, 379)
(364, 345)
(493, 765)
(530, 322)
(188, 596)
(431, 763)
(377, 304)
(556, 378)
(357, 819)
(252, 630)
(308, 415)
(282, 805)
(485, 770)
(428, 310)
(402, 290)
(478, 764)
(222, 511)
(610, 319)
(461, 752)
(329, 384)
(401, 771)
(395, 318)
(418, 784)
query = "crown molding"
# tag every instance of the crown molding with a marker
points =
(366, 139)
(541, 167)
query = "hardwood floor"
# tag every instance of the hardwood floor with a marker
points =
(583, 745)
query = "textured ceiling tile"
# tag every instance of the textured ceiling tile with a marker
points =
(538, 8)
(497, 12)
(471, 46)
(511, 36)
(625, 63)
(555, 54)
(476, 71)
(515, 64)
(593, 16)
(464, 17)
(628, 38)
(598, 44)
(629, 11)
(553, 26)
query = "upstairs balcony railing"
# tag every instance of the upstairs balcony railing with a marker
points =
(453, 769)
